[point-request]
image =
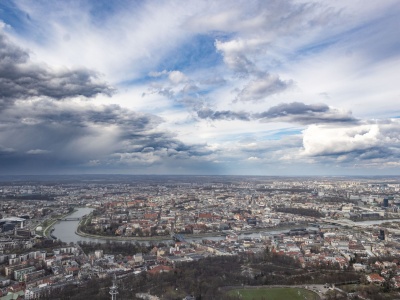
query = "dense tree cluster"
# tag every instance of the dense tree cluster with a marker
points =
(300, 211)
(93, 289)
(210, 278)
(122, 248)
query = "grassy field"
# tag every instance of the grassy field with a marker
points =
(275, 294)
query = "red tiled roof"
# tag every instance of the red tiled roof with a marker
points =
(160, 269)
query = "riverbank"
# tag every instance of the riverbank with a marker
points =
(46, 231)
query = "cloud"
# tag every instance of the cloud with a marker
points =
(6, 150)
(295, 112)
(207, 113)
(265, 154)
(369, 142)
(253, 158)
(21, 79)
(273, 18)
(263, 25)
(234, 58)
(120, 40)
(250, 64)
(158, 74)
(177, 77)
(263, 87)
(305, 114)
(37, 151)
(42, 133)
(64, 134)
(321, 140)
(213, 81)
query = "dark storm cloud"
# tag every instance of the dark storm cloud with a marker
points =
(295, 112)
(305, 114)
(10, 54)
(21, 79)
(49, 135)
(295, 108)
(380, 152)
(375, 155)
(207, 113)
(45, 133)
(71, 117)
(157, 142)
(103, 116)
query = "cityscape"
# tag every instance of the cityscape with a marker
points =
(63, 233)
(199, 150)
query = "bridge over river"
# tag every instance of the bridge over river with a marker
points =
(69, 219)
(178, 237)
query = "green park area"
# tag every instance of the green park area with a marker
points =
(274, 294)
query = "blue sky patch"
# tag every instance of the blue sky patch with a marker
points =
(11, 15)
(197, 52)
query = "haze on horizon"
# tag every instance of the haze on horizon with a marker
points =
(265, 87)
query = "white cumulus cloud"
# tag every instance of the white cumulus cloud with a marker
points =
(373, 139)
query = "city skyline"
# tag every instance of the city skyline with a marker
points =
(199, 87)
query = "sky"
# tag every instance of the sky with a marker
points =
(269, 87)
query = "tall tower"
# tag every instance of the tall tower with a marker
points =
(381, 234)
(386, 202)
(114, 289)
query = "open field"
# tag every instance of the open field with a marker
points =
(275, 294)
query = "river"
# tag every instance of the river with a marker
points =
(66, 231)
